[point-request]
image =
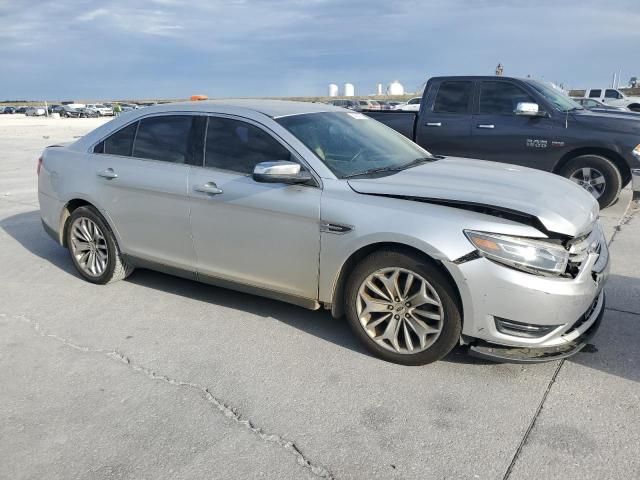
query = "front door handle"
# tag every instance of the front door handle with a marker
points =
(210, 188)
(108, 174)
(434, 124)
(484, 125)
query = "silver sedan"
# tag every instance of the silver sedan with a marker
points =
(326, 208)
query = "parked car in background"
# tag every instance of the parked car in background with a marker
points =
(345, 103)
(613, 96)
(7, 110)
(67, 111)
(20, 109)
(599, 107)
(35, 111)
(593, 104)
(87, 112)
(527, 123)
(52, 108)
(101, 109)
(413, 105)
(419, 252)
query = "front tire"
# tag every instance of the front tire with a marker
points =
(596, 174)
(93, 248)
(402, 308)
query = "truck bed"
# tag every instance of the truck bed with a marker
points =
(401, 121)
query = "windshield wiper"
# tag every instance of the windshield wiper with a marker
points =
(412, 163)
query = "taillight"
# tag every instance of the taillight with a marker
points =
(39, 164)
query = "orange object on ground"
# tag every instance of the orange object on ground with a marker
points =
(199, 97)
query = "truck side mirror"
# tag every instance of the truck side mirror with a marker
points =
(528, 109)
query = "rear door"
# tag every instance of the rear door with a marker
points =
(444, 123)
(262, 235)
(501, 135)
(142, 174)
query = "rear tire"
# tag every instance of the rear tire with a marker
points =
(425, 327)
(598, 171)
(93, 247)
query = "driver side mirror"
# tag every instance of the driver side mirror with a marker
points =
(281, 171)
(529, 109)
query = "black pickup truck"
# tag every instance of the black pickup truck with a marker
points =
(524, 122)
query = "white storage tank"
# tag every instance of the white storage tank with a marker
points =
(349, 90)
(395, 88)
(379, 89)
(333, 90)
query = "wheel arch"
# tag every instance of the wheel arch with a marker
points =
(73, 205)
(337, 298)
(612, 155)
(634, 107)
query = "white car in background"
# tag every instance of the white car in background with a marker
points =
(613, 96)
(35, 112)
(102, 110)
(413, 105)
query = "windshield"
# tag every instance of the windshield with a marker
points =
(352, 144)
(561, 100)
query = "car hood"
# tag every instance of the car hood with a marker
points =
(558, 204)
(618, 122)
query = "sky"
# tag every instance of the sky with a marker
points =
(115, 49)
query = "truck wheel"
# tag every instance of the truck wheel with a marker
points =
(634, 107)
(402, 308)
(93, 248)
(597, 175)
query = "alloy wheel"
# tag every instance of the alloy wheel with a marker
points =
(89, 247)
(591, 180)
(400, 310)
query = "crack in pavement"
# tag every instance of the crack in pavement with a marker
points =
(622, 311)
(229, 412)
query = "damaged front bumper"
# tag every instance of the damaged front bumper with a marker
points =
(501, 353)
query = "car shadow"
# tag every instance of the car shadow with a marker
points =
(615, 345)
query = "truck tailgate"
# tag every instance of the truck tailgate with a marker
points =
(403, 122)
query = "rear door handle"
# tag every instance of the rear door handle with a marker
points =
(484, 125)
(209, 188)
(434, 124)
(108, 174)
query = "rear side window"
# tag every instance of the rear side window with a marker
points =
(453, 97)
(238, 146)
(610, 93)
(595, 93)
(119, 143)
(164, 138)
(501, 97)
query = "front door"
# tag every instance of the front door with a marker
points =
(257, 234)
(500, 135)
(141, 184)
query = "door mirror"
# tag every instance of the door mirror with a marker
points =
(281, 171)
(528, 109)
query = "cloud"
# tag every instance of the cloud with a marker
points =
(296, 47)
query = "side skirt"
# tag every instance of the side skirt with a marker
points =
(311, 304)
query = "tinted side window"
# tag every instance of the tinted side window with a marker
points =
(413, 101)
(595, 93)
(238, 146)
(164, 138)
(501, 97)
(119, 143)
(610, 93)
(453, 97)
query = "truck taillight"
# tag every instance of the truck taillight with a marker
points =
(39, 164)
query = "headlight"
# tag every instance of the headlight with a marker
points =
(636, 151)
(535, 256)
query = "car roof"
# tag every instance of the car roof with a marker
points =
(271, 108)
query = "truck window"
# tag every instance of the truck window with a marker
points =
(611, 93)
(501, 97)
(453, 97)
(595, 93)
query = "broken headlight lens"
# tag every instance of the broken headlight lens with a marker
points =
(529, 255)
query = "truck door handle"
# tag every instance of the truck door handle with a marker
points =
(433, 124)
(484, 125)
(210, 188)
(108, 174)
